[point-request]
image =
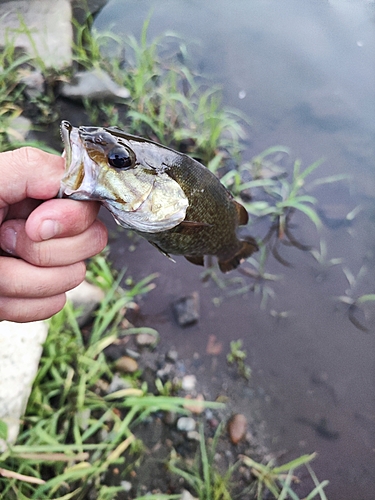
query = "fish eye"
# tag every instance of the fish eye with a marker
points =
(119, 157)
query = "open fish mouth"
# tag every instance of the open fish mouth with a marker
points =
(80, 172)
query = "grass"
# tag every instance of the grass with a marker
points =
(210, 483)
(73, 431)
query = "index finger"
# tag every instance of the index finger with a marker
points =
(60, 218)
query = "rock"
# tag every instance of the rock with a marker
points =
(186, 309)
(237, 427)
(93, 84)
(49, 25)
(87, 297)
(125, 364)
(34, 82)
(20, 351)
(186, 424)
(85, 6)
(189, 382)
(146, 339)
(18, 128)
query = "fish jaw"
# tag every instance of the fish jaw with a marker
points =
(80, 178)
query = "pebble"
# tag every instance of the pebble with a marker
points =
(194, 407)
(193, 436)
(172, 355)
(146, 339)
(237, 426)
(186, 309)
(126, 364)
(186, 424)
(117, 384)
(189, 382)
(126, 485)
(186, 495)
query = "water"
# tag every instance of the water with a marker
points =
(304, 74)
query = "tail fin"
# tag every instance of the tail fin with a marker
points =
(248, 247)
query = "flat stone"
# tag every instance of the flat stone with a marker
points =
(49, 24)
(186, 309)
(94, 84)
(20, 351)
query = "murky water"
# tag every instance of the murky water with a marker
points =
(304, 74)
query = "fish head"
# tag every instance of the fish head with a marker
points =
(124, 175)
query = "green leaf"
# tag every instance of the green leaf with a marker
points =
(369, 297)
(3, 430)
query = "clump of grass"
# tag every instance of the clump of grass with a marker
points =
(279, 480)
(168, 102)
(208, 483)
(11, 97)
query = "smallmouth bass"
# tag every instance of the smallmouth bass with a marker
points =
(169, 198)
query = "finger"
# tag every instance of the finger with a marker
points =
(20, 279)
(25, 310)
(61, 218)
(29, 173)
(54, 252)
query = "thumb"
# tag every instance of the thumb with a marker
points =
(29, 173)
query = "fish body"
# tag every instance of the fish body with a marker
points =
(169, 198)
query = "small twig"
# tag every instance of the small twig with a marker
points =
(21, 477)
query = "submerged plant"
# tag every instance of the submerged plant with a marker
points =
(237, 356)
(278, 480)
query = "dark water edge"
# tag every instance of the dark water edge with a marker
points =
(304, 73)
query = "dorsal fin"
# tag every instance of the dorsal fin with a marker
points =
(242, 215)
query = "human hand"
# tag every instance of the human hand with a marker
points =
(44, 242)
